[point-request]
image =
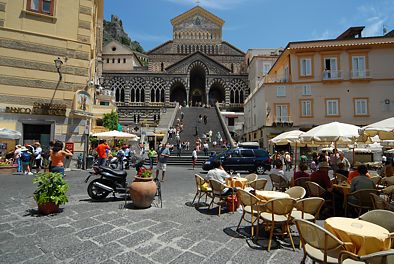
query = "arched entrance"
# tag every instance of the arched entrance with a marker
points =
(216, 93)
(178, 93)
(197, 85)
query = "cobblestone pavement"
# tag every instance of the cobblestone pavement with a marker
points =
(106, 232)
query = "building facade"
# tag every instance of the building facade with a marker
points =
(38, 99)
(348, 79)
(195, 68)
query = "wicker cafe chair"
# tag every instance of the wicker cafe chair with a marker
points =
(252, 206)
(340, 178)
(315, 190)
(251, 177)
(200, 192)
(379, 203)
(381, 257)
(296, 192)
(382, 218)
(376, 180)
(217, 192)
(360, 200)
(278, 182)
(302, 182)
(318, 244)
(278, 212)
(258, 184)
(308, 208)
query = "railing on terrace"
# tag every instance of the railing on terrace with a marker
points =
(332, 75)
(360, 74)
(280, 78)
(147, 104)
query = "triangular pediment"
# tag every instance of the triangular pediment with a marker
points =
(114, 47)
(198, 10)
(214, 67)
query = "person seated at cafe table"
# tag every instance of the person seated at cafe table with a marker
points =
(362, 181)
(342, 169)
(354, 173)
(218, 173)
(300, 174)
(278, 170)
(321, 177)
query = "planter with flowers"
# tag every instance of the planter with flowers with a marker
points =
(143, 189)
(7, 167)
(51, 192)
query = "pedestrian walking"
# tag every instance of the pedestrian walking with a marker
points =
(194, 157)
(102, 149)
(164, 154)
(182, 115)
(57, 157)
(196, 131)
(205, 119)
(200, 118)
(37, 156)
(152, 155)
(206, 148)
(17, 157)
(25, 159)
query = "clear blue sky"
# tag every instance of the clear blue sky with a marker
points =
(256, 23)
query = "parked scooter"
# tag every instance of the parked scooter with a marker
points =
(110, 181)
(114, 163)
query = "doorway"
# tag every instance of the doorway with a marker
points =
(197, 86)
(40, 133)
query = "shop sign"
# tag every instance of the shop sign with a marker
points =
(49, 109)
(69, 146)
(18, 110)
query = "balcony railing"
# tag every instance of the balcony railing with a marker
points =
(332, 75)
(360, 74)
(282, 121)
(279, 78)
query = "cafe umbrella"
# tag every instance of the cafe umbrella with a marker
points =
(6, 133)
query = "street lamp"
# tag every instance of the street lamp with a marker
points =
(58, 65)
(268, 111)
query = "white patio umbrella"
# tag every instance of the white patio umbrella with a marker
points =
(339, 133)
(384, 129)
(292, 137)
(114, 134)
(6, 133)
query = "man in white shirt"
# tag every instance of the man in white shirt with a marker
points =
(219, 174)
(37, 156)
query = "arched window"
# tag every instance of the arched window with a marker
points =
(241, 97)
(236, 100)
(237, 87)
(162, 97)
(122, 95)
(137, 95)
(132, 95)
(137, 90)
(232, 67)
(162, 66)
(232, 96)
(117, 95)
(157, 90)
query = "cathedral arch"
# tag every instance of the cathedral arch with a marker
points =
(217, 92)
(117, 85)
(137, 90)
(178, 91)
(237, 91)
(197, 72)
(157, 91)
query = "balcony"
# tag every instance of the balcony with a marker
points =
(282, 121)
(278, 78)
(330, 75)
(360, 74)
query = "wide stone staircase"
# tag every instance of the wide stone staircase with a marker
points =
(190, 122)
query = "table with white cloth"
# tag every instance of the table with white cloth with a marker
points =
(236, 182)
(366, 237)
(269, 195)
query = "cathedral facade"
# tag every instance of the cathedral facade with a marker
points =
(195, 68)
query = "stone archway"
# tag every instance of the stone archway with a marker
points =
(178, 93)
(197, 92)
(217, 93)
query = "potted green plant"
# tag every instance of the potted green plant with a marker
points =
(143, 189)
(51, 192)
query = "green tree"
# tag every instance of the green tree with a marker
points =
(110, 120)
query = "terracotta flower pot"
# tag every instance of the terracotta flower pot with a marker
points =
(48, 208)
(142, 192)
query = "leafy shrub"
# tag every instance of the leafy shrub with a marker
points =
(51, 188)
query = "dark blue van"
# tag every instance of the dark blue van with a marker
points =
(242, 159)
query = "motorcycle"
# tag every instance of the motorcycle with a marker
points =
(110, 181)
(114, 163)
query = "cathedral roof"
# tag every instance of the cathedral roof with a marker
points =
(201, 11)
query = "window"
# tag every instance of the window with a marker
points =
(330, 68)
(113, 60)
(41, 6)
(104, 103)
(360, 107)
(118, 60)
(266, 67)
(231, 121)
(281, 113)
(332, 107)
(306, 89)
(306, 67)
(107, 60)
(248, 152)
(280, 91)
(306, 108)
(124, 60)
(358, 67)
(99, 121)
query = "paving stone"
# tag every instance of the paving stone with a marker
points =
(132, 258)
(184, 243)
(235, 244)
(109, 261)
(21, 255)
(121, 221)
(58, 242)
(30, 229)
(136, 238)
(21, 223)
(248, 255)
(165, 255)
(196, 235)
(95, 231)
(187, 258)
(148, 248)
(171, 235)
(205, 247)
(47, 259)
(56, 231)
(18, 243)
(5, 236)
(111, 236)
(75, 249)
(8, 218)
(99, 254)
(108, 217)
(81, 216)
(140, 225)
(85, 223)
(162, 227)
(221, 256)
(60, 221)
(5, 227)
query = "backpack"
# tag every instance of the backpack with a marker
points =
(25, 156)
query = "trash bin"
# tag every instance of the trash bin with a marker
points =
(89, 162)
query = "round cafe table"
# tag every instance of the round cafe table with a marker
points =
(237, 182)
(269, 195)
(366, 237)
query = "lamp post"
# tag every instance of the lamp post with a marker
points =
(58, 65)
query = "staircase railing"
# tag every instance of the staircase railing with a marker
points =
(225, 128)
(170, 124)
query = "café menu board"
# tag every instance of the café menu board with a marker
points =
(69, 146)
